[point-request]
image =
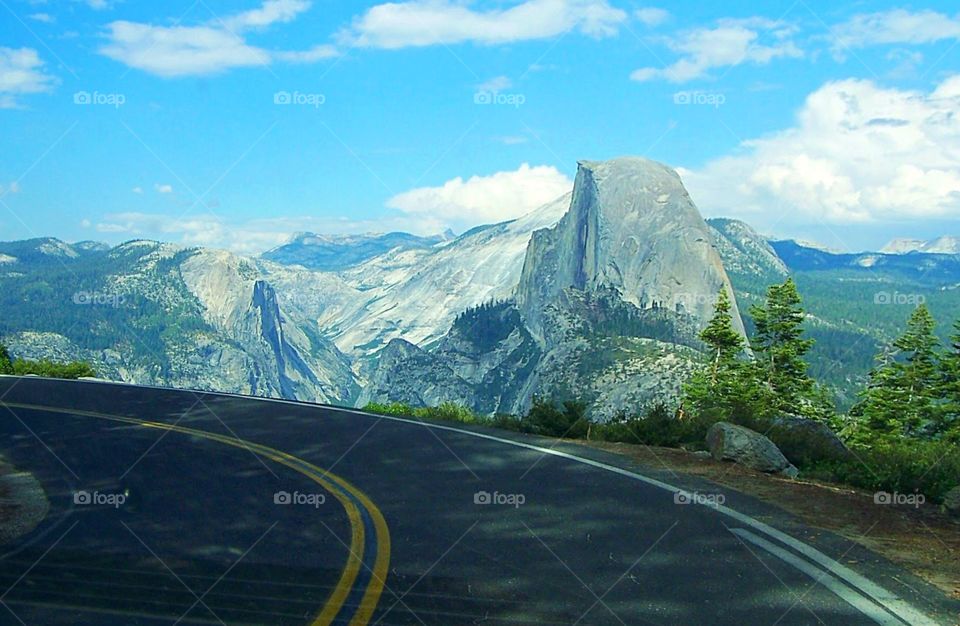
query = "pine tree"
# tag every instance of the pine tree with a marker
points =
(724, 341)
(780, 349)
(876, 416)
(949, 425)
(722, 389)
(6, 365)
(901, 399)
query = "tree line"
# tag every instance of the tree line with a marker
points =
(913, 392)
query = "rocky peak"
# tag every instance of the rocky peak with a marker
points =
(633, 229)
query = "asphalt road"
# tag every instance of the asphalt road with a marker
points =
(178, 506)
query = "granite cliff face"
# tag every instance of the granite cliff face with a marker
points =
(631, 230)
(607, 307)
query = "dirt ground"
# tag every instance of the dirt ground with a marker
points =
(924, 540)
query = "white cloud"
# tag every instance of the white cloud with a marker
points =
(457, 204)
(160, 188)
(897, 26)
(651, 16)
(432, 22)
(907, 62)
(137, 190)
(460, 203)
(172, 51)
(98, 5)
(46, 18)
(271, 12)
(858, 153)
(21, 73)
(731, 42)
(496, 84)
(217, 46)
(316, 53)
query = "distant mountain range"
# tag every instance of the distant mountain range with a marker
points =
(333, 253)
(941, 245)
(599, 295)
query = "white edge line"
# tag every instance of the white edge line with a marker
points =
(862, 604)
(888, 600)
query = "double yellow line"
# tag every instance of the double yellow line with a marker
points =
(344, 492)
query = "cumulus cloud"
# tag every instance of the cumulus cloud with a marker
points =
(858, 153)
(216, 46)
(460, 203)
(433, 22)
(271, 12)
(732, 42)
(171, 51)
(21, 73)
(651, 16)
(898, 26)
(159, 188)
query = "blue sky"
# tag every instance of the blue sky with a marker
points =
(234, 124)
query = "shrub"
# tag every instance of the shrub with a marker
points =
(506, 422)
(546, 418)
(393, 408)
(73, 370)
(931, 468)
(447, 412)
(6, 365)
(657, 427)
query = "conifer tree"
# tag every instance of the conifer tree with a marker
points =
(949, 426)
(724, 341)
(6, 365)
(902, 397)
(780, 349)
(722, 389)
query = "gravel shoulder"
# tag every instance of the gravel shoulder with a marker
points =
(923, 540)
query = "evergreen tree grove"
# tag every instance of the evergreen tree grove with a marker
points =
(902, 398)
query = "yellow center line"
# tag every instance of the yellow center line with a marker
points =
(338, 596)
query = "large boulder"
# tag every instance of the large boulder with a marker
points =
(729, 442)
(951, 501)
(805, 441)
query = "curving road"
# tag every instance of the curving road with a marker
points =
(186, 507)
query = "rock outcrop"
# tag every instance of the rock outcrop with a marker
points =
(631, 229)
(805, 441)
(408, 374)
(729, 442)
